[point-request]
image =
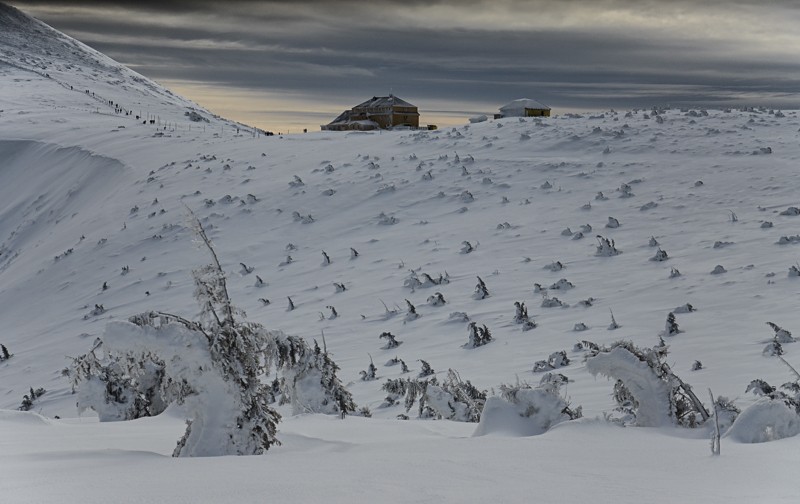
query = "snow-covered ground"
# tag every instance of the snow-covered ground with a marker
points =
(91, 196)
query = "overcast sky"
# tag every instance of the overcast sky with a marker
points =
(290, 64)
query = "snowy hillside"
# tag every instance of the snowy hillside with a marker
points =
(93, 229)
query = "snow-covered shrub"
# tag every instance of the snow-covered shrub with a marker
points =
(685, 308)
(613, 325)
(775, 415)
(765, 420)
(521, 314)
(562, 284)
(522, 410)
(27, 399)
(214, 366)
(411, 314)
(791, 211)
(478, 336)
(781, 334)
(551, 302)
(606, 247)
(371, 372)
(424, 280)
(391, 340)
(580, 326)
(661, 255)
(308, 377)
(718, 270)
(4, 354)
(612, 223)
(648, 393)
(436, 300)
(554, 361)
(454, 399)
(773, 349)
(426, 370)
(481, 291)
(671, 326)
(794, 271)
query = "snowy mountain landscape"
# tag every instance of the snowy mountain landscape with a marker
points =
(676, 230)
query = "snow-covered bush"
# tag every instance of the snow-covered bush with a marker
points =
(481, 291)
(661, 255)
(371, 372)
(554, 361)
(551, 302)
(606, 247)
(454, 399)
(781, 334)
(391, 340)
(4, 354)
(478, 336)
(648, 393)
(411, 314)
(562, 284)
(437, 299)
(522, 410)
(671, 326)
(775, 415)
(27, 399)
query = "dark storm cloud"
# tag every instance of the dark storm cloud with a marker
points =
(573, 53)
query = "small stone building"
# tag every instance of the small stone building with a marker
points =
(523, 107)
(379, 112)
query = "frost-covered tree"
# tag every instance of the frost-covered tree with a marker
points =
(646, 388)
(4, 354)
(214, 366)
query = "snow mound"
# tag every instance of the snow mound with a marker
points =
(765, 420)
(22, 418)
